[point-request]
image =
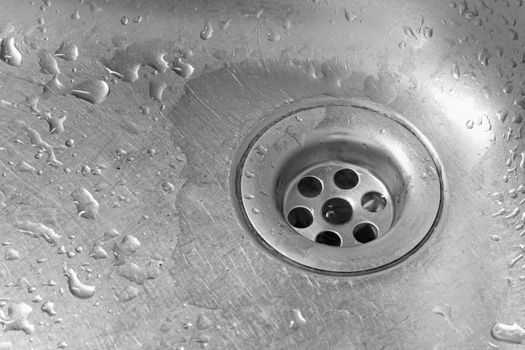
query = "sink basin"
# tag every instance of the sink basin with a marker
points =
(173, 174)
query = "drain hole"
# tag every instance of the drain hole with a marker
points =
(373, 202)
(365, 233)
(346, 179)
(329, 238)
(300, 217)
(310, 186)
(337, 211)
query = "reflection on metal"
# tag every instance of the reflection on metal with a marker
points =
(321, 140)
(163, 118)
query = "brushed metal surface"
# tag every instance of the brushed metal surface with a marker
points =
(121, 122)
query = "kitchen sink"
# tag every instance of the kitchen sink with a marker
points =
(262, 174)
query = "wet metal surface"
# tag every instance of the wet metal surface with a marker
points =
(122, 125)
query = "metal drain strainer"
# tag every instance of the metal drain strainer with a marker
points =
(338, 204)
(339, 186)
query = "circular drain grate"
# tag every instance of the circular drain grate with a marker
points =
(338, 186)
(346, 196)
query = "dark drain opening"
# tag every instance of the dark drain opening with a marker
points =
(365, 233)
(373, 202)
(329, 238)
(300, 217)
(337, 211)
(310, 186)
(346, 179)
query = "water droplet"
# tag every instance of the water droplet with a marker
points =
(409, 32)
(298, 320)
(17, 318)
(350, 16)
(274, 36)
(443, 310)
(156, 88)
(25, 167)
(260, 149)
(513, 333)
(98, 252)
(502, 115)
(168, 186)
(111, 234)
(36, 230)
(207, 32)
(513, 213)
(87, 206)
(185, 70)
(428, 32)
(56, 124)
(483, 57)
(12, 254)
(85, 170)
(49, 308)
(520, 101)
(54, 87)
(126, 62)
(507, 88)
(75, 15)
(454, 71)
(498, 197)
(513, 34)
(76, 287)
(9, 53)
(488, 123)
(67, 51)
(204, 322)
(515, 260)
(145, 109)
(94, 91)
(522, 161)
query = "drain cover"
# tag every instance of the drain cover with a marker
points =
(339, 186)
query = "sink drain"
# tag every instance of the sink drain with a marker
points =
(338, 186)
(341, 198)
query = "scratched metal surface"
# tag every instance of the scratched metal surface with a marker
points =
(184, 272)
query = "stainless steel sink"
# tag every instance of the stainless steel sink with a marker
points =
(154, 156)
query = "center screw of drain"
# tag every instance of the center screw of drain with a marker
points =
(338, 186)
